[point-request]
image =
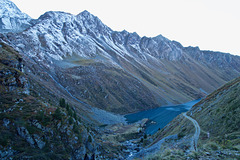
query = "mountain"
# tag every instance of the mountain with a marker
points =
(119, 72)
(34, 126)
(66, 81)
(218, 120)
(11, 18)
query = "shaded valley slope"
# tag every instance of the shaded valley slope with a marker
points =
(218, 120)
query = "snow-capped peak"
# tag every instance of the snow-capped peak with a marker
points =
(93, 23)
(86, 14)
(11, 18)
(9, 9)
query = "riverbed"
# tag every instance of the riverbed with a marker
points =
(159, 117)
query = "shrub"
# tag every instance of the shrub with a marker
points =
(75, 128)
(79, 119)
(89, 139)
(211, 146)
(40, 115)
(31, 129)
(70, 112)
(3, 141)
(70, 120)
(75, 115)
(194, 155)
(166, 153)
(181, 135)
(57, 115)
(62, 103)
(145, 136)
(79, 138)
(67, 107)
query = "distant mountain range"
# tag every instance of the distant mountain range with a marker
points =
(79, 57)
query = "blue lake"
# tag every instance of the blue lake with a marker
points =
(159, 117)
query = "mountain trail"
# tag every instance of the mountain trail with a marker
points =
(153, 149)
(196, 134)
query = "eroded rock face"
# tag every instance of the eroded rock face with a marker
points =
(23, 132)
(39, 141)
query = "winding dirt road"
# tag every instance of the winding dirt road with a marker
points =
(197, 132)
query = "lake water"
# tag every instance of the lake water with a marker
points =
(159, 117)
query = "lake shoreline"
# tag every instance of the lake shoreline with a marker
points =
(159, 117)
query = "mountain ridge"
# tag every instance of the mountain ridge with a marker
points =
(73, 48)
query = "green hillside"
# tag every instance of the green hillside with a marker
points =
(219, 120)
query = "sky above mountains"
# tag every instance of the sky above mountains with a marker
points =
(209, 24)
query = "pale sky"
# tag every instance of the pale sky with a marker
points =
(209, 24)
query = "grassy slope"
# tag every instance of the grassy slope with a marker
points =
(106, 86)
(218, 115)
(137, 85)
